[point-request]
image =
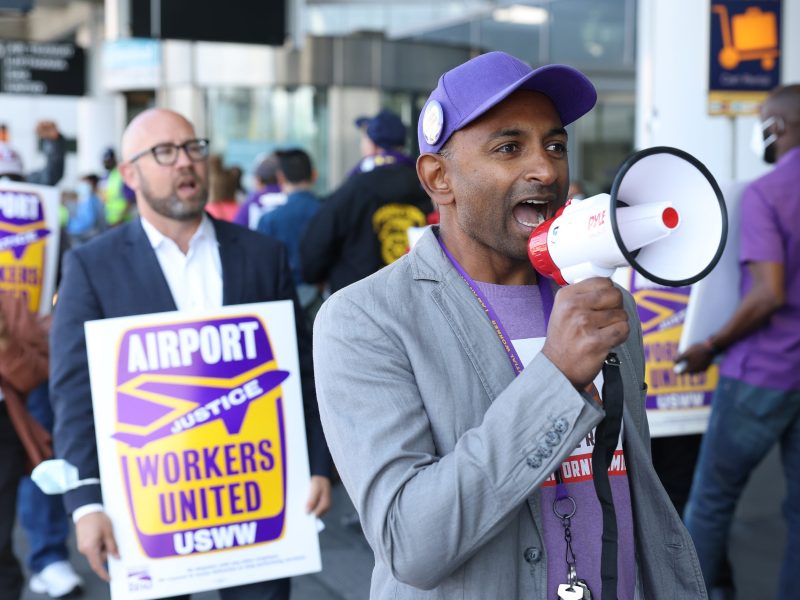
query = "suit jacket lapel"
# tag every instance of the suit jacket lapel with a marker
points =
(465, 315)
(232, 260)
(147, 272)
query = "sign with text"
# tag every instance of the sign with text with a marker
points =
(29, 235)
(744, 60)
(201, 439)
(131, 64)
(677, 404)
(41, 68)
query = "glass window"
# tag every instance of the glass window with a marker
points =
(245, 124)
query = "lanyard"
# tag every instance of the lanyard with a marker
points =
(606, 435)
(545, 291)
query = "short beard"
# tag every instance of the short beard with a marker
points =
(172, 207)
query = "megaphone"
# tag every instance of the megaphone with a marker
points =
(665, 217)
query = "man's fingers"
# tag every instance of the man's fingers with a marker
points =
(111, 543)
(602, 298)
(615, 333)
(319, 497)
(95, 536)
(323, 504)
(97, 562)
(313, 499)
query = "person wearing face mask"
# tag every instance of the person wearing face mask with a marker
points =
(88, 217)
(757, 401)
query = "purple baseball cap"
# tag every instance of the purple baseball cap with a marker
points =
(475, 87)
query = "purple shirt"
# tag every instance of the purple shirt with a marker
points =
(243, 214)
(770, 232)
(519, 308)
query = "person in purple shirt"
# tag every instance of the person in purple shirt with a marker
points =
(266, 183)
(757, 402)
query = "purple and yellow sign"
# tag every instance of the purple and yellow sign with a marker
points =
(23, 237)
(200, 435)
(676, 403)
(202, 449)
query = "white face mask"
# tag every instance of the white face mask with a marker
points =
(57, 476)
(758, 143)
(83, 189)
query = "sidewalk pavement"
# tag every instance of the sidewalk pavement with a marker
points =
(756, 548)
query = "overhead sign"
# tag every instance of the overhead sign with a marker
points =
(238, 21)
(202, 448)
(744, 59)
(53, 69)
(131, 64)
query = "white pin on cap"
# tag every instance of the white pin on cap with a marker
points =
(433, 122)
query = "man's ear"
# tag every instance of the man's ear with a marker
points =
(129, 175)
(432, 173)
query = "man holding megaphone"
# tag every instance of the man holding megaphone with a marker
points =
(459, 391)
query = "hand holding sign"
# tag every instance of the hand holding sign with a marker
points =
(95, 540)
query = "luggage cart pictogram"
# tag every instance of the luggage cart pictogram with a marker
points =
(752, 35)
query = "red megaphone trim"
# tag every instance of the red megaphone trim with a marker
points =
(538, 253)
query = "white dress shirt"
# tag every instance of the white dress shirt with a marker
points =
(194, 278)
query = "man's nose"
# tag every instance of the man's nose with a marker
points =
(540, 167)
(183, 159)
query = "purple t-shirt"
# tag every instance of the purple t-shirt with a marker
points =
(770, 232)
(242, 216)
(519, 309)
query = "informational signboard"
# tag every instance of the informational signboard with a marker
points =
(263, 22)
(202, 448)
(744, 57)
(677, 404)
(41, 68)
(131, 64)
(29, 236)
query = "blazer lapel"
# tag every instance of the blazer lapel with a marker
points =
(147, 273)
(465, 315)
(232, 259)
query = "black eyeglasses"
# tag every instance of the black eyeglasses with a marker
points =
(167, 154)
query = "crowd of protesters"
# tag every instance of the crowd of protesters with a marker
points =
(457, 479)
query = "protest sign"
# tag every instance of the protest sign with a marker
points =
(677, 404)
(202, 449)
(29, 236)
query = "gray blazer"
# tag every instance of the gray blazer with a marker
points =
(432, 435)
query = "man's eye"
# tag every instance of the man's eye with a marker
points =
(164, 150)
(508, 148)
(557, 147)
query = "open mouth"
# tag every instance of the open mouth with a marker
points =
(531, 213)
(187, 185)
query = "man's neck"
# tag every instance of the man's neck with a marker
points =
(180, 232)
(483, 264)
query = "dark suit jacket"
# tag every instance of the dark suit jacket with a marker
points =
(117, 274)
